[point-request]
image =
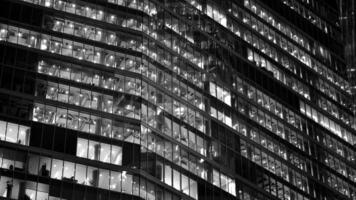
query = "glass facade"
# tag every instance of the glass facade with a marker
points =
(174, 100)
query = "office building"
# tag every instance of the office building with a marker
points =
(174, 100)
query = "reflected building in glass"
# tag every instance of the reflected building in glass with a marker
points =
(174, 100)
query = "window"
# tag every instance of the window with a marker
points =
(185, 184)
(57, 169)
(176, 180)
(216, 178)
(193, 189)
(14, 133)
(99, 151)
(168, 175)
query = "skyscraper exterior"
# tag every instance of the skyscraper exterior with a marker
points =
(175, 100)
(348, 24)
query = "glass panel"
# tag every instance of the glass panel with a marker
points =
(68, 171)
(57, 169)
(115, 181)
(2, 130)
(116, 155)
(104, 179)
(11, 132)
(82, 148)
(168, 175)
(185, 184)
(126, 183)
(176, 179)
(80, 173)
